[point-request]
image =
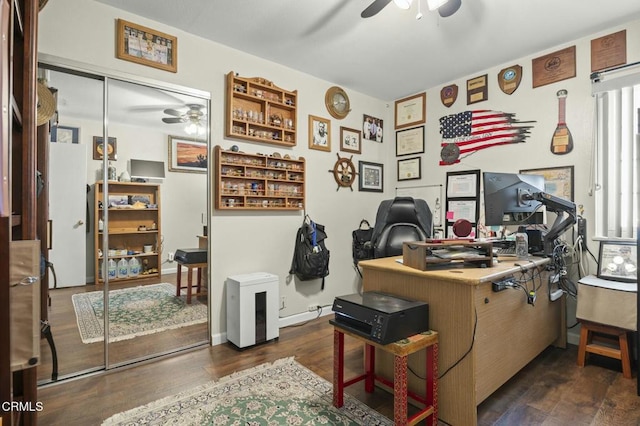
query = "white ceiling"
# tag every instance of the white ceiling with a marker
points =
(390, 55)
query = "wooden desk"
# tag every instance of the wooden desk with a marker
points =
(509, 333)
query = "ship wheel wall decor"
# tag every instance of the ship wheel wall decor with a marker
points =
(344, 172)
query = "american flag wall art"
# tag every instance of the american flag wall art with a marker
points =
(471, 131)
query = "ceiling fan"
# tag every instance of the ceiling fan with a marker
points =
(445, 7)
(193, 114)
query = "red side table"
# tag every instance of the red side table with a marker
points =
(401, 351)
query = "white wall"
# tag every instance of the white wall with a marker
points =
(243, 242)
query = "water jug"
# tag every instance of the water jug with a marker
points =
(113, 269)
(123, 268)
(134, 267)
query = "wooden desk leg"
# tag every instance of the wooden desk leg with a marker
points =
(338, 368)
(178, 280)
(582, 346)
(432, 381)
(400, 390)
(189, 284)
(199, 280)
(369, 367)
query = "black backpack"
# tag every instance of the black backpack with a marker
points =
(362, 247)
(310, 255)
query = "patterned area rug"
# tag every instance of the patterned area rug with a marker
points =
(135, 311)
(282, 393)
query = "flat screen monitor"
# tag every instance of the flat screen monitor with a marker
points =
(507, 199)
(146, 169)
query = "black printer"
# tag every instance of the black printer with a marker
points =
(380, 317)
(193, 255)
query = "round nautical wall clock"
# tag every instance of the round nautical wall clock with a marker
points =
(337, 102)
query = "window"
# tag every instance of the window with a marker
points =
(616, 155)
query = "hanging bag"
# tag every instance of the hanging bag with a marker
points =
(362, 249)
(310, 255)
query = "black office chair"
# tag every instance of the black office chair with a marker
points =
(397, 221)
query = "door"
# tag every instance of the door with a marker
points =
(68, 212)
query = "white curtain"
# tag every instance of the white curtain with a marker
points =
(616, 156)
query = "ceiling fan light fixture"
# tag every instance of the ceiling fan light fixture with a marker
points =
(194, 128)
(435, 4)
(403, 4)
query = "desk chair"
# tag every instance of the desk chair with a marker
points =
(397, 221)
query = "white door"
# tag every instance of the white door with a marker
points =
(68, 212)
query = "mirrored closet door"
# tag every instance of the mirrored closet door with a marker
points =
(128, 182)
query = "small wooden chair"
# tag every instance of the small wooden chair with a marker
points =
(590, 343)
(190, 267)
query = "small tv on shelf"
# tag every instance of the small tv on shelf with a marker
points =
(143, 170)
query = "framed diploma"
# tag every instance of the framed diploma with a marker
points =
(410, 141)
(411, 111)
(409, 169)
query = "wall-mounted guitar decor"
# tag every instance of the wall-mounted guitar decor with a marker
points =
(562, 141)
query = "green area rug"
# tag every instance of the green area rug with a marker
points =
(281, 393)
(135, 311)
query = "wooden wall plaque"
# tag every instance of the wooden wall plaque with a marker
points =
(477, 90)
(609, 51)
(557, 66)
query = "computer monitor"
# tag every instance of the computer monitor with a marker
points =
(508, 199)
(146, 169)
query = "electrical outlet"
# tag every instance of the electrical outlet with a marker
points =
(283, 300)
(170, 256)
(313, 307)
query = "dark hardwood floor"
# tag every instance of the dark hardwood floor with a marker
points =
(551, 390)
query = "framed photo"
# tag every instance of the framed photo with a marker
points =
(410, 141)
(558, 181)
(409, 169)
(319, 133)
(146, 46)
(187, 155)
(370, 176)
(65, 134)
(372, 128)
(617, 261)
(411, 111)
(98, 148)
(350, 140)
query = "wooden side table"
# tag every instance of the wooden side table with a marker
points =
(401, 351)
(190, 267)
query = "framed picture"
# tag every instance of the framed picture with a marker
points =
(146, 46)
(410, 141)
(558, 181)
(372, 128)
(65, 134)
(370, 176)
(617, 261)
(411, 111)
(409, 169)
(187, 155)
(98, 148)
(350, 140)
(319, 133)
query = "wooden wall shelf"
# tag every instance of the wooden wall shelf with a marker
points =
(258, 111)
(258, 182)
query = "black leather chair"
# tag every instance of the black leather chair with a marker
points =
(397, 221)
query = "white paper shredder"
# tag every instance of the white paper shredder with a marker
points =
(252, 308)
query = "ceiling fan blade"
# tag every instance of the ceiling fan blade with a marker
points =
(449, 8)
(172, 120)
(374, 8)
(174, 112)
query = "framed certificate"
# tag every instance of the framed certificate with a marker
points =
(409, 169)
(410, 141)
(411, 111)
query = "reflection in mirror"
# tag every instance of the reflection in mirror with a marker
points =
(126, 250)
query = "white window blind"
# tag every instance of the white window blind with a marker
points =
(616, 156)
